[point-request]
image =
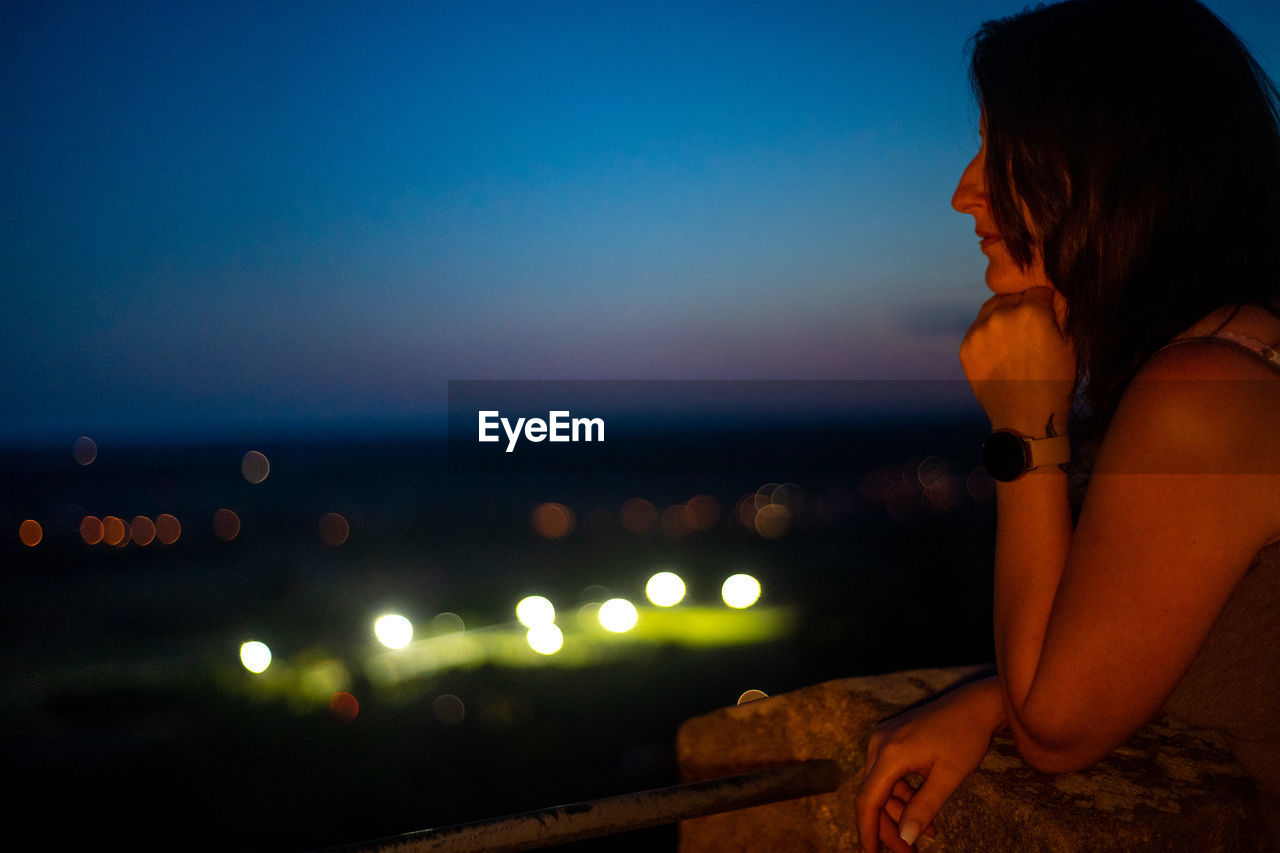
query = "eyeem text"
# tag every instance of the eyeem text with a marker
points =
(557, 427)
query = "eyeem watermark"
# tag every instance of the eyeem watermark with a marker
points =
(558, 427)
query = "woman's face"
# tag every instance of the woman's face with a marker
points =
(1003, 274)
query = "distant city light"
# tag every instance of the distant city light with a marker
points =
(30, 533)
(449, 709)
(142, 530)
(545, 639)
(226, 524)
(85, 450)
(255, 467)
(334, 529)
(535, 610)
(552, 520)
(665, 589)
(344, 706)
(393, 630)
(91, 529)
(740, 591)
(255, 656)
(638, 515)
(168, 529)
(114, 531)
(618, 615)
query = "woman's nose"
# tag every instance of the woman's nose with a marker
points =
(970, 193)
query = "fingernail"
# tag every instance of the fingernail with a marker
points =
(909, 831)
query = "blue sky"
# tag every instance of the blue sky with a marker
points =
(241, 216)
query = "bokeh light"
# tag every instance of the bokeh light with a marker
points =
(703, 512)
(638, 515)
(393, 630)
(772, 520)
(114, 531)
(334, 529)
(447, 623)
(665, 589)
(740, 591)
(226, 524)
(168, 529)
(545, 639)
(142, 530)
(534, 610)
(618, 615)
(255, 656)
(344, 706)
(85, 450)
(91, 530)
(449, 709)
(552, 520)
(255, 467)
(30, 533)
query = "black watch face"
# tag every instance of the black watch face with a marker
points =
(1004, 456)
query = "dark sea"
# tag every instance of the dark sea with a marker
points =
(131, 723)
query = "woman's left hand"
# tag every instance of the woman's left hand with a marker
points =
(942, 741)
(1019, 361)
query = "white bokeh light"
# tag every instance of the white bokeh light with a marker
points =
(665, 589)
(618, 615)
(545, 639)
(740, 591)
(255, 656)
(393, 630)
(534, 611)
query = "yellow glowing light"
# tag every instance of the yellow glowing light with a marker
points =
(393, 630)
(545, 639)
(255, 467)
(534, 611)
(618, 615)
(740, 591)
(665, 589)
(255, 656)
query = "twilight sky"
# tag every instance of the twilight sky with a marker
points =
(245, 216)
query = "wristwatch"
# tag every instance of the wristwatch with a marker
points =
(1008, 454)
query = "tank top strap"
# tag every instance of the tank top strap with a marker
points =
(1265, 353)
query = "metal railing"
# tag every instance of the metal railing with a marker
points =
(611, 815)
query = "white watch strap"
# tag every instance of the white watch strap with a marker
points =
(1055, 450)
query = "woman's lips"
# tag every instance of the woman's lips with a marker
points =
(987, 239)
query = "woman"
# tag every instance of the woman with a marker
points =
(1127, 197)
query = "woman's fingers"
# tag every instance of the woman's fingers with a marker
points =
(920, 809)
(889, 835)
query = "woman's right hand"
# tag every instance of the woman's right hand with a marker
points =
(943, 741)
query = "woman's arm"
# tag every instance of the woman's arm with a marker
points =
(1094, 627)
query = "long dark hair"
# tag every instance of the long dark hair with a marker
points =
(1135, 144)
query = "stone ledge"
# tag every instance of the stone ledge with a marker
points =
(1167, 789)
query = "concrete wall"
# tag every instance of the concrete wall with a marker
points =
(1168, 789)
